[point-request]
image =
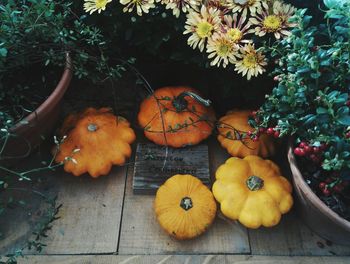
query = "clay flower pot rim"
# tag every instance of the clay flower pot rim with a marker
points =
(60, 88)
(313, 198)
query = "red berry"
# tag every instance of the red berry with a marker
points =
(254, 113)
(255, 138)
(326, 192)
(276, 78)
(299, 152)
(249, 133)
(262, 129)
(322, 185)
(348, 103)
(276, 134)
(316, 150)
(347, 135)
(308, 149)
(270, 131)
(303, 144)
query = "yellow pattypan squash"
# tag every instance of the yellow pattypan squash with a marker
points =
(252, 191)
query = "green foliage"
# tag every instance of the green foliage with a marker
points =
(38, 33)
(311, 100)
(40, 230)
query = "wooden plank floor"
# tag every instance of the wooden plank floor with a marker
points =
(182, 259)
(102, 221)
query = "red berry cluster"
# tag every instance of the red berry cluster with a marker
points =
(255, 136)
(313, 153)
(329, 186)
(272, 131)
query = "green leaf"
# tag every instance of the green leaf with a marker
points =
(330, 3)
(344, 120)
(321, 110)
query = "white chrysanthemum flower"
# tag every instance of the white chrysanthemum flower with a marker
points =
(236, 28)
(201, 25)
(284, 11)
(225, 6)
(250, 62)
(178, 6)
(142, 6)
(221, 50)
(242, 6)
(91, 6)
(273, 20)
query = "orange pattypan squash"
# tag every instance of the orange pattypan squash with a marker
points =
(95, 140)
(176, 116)
(232, 126)
(252, 191)
(184, 207)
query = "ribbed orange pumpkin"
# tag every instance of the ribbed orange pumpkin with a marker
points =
(184, 206)
(176, 116)
(100, 138)
(238, 120)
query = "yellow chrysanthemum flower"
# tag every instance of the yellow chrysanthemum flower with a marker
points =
(201, 25)
(142, 6)
(221, 49)
(91, 6)
(273, 20)
(250, 62)
(236, 28)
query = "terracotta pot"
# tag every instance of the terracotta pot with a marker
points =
(317, 215)
(30, 132)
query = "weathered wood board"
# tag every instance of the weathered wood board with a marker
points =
(155, 164)
(292, 238)
(90, 214)
(141, 233)
(187, 259)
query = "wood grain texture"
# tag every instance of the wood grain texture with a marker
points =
(291, 236)
(90, 214)
(176, 259)
(141, 233)
(155, 164)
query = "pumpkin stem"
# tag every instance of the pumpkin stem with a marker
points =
(254, 183)
(92, 127)
(186, 203)
(180, 103)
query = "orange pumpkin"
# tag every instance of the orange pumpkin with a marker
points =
(176, 116)
(232, 126)
(96, 140)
